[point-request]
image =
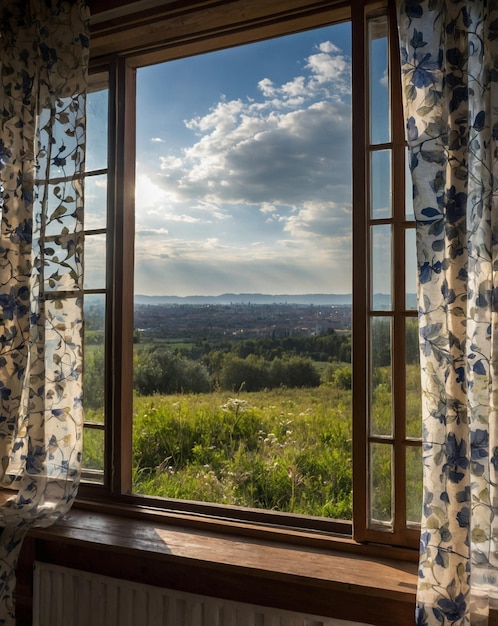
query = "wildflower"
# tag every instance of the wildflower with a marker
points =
(234, 405)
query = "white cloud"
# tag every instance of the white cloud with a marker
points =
(267, 88)
(264, 186)
(170, 162)
(276, 157)
(157, 140)
(267, 207)
(151, 232)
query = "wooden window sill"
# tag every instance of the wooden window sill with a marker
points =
(343, 581)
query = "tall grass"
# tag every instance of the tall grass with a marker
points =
(283, 449)
(286, 450)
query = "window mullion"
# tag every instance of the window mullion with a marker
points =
(361, 272)
(122, 227)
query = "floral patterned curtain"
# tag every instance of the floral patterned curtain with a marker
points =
(449, 57)
(43, 72)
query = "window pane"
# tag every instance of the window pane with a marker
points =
(381, 363)
(242, 368)
(62, 264)
(408, 189)
(381, 267)
(381, 184)
(95, 265)
(95, 202)
(413, 384)
(93, 455)
(93, 388)
(93, 380)
(379, 80)
(61, 144)
(413, 484)
(60, 206)
(96, 130)
(410, 269)
(381, 482)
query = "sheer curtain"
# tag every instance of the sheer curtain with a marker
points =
(449, 57)
(43, 72)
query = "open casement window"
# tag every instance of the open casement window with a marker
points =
(387, 443)
(386, 446)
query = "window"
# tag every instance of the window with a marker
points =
(385, 409)
(390, 454)
(95, 287)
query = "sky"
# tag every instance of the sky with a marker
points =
(244, 169)
(243, 173)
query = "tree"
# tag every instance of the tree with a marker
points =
(248, 374)
(293, 372)
(343, 377)
(161, 372)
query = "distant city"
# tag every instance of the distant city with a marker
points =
(239, 320)
(249, 298)
(238, 316)
(244, 316)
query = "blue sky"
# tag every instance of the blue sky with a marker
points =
(244, 169)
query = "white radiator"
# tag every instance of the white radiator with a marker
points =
(67, 597)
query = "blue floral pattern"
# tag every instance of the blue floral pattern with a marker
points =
(449, 65)
(43, 79)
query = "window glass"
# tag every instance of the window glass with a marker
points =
(410, 269)
(96, 129)
(96, 202)
(95, 269)
(381, 509)
(409, 189)
(414, 465)
(381, 184)
(94, 398)
(242, 360)
(381, 376)
(381, 278)
(379, 81)
(413, 383)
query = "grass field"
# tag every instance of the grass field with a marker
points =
(287, 450)
(283, 449)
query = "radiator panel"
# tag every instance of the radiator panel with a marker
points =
(68, 597)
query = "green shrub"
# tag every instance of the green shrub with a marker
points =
(343, 377)
(293, 372)
(159, 371)
(247, 374)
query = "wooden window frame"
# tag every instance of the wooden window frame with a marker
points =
(172, 30)
(399, 532)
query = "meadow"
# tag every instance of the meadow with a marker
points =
(284, 449)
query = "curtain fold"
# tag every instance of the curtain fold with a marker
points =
(449, 67)
(43, 79)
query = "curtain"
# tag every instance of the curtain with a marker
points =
(449, 67)
(43, 73)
